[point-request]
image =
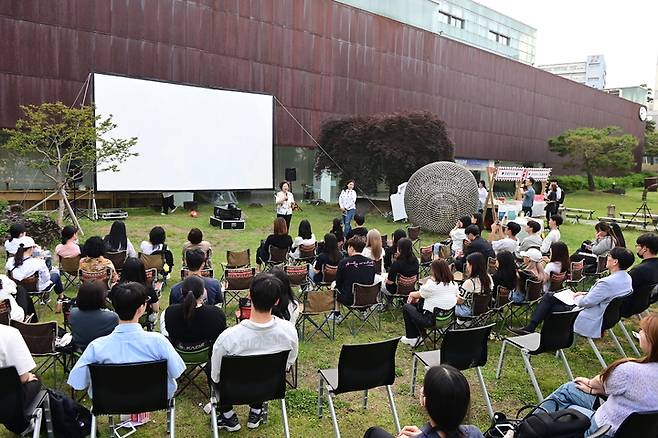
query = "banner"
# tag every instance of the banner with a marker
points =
(521, 173)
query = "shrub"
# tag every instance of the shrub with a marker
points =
(572, 183)
(42, 228)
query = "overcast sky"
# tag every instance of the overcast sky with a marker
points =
(625, 32)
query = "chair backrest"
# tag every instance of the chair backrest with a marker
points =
(366, 366)
(405, 285)
(151, 275)
(238, 259)
(318, 301)
(244, 308)
(557, 331)
(612, 313)
(378, 264)
(156, 261)
(252, 379)
(601, 264)
(103, 275)
(639, 424)
(11, 396)
(413, 233)
(30, 283)
(39, 337)
(577, 269)
(298, 274)
(239, 278)
(502, 295)
(129, 388)
(307, 251)
(533, 289)
(557, 281)
(491, 265)
(70, 265)
(466, 348)
(192, 354)
(209, 273)
(329, 273)
(366, 295)
(426, 253)
(384, 240)
(638, 301)
(5, 311)
(481, 303)
(118, 258)
(277, 255)
(443, 318)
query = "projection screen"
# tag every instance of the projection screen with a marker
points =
(188, 138)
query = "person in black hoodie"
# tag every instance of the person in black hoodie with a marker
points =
(355, 268)
(477, 244)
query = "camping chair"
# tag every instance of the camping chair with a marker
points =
(237, 280)
(463, 349)
(155, 261)
(298, 275)
(556, 335)
(328, 274)
(244, 310)
(378, 265)
(318, 306)
(251, 379)
(557, 281)
(431, 336)
(365, 305)
(277, 257)
(236, 259)
(184, 273)
(635, 304)
(130, 388)
(639, 424)
(11, 403)
(31, 286)
(611, 317)
(482, 310)
(195, 357)
(40, 340)
(533, 292)
(502, 297)
(5, 311)
(426, 255)
(601, 269)
(491, 265)
(404, 286)
(68, 268)
(104, 275)
(306, 254)
(118, 259)
(413, 233)
(576, 275)
(361, 367)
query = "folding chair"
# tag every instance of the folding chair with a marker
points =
(236, 259)
(491, 265)
(576, 276)
(248, 380)
(556, 335)
(130, 388)
(298, 276)
(635, 304)
(237, 280)
(277, 257)
(639, 424)
(463, 349)
(611, 317)
(68, 268)
(482, 310)
(365, 305)
(31, 286)
(328, 274)
(426, 255)
(360, 367)
(384, 240)
(244, 310)
(306, 254)
(413, 233)
(317, 303)
(601, 269)
(157, 262)
(404, 286)
(184, 273)
(195, 357)
(502, 296)
(118, 259)
(11, 404)
(557, 281)
(443, 320)
(40, 339)
(533, 292)
(5, 311)
(104, 275)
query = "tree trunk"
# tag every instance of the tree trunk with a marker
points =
(590, 182)
(60, 211)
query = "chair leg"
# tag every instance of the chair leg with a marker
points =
(487, 400)
(172, 419)
(389, 391)
(365, 399)
(615, 341)
(284, 417)
(213, 420)
(334, 420)
(47, 414)
(38, 415)
(597, 353)
(320, 390)
(93, 426)
(531, 373)
(628, 338)
(565, 363)
(500, 360)
(414, 370)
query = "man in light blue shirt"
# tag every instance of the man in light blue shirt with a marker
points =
(528, 197)
(128, 342)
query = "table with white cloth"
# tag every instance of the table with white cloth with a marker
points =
(515, 206)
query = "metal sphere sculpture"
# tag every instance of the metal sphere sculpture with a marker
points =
(438, 194)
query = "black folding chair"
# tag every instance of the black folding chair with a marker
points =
(130, 388)
(40, 340)
(248, 380)
(634, 305)
(639, 424)
(533, 292)
(556, 335)
(5, 311)
(11, 404)
(576, 275)
(365, 305)
(463, 349)
(611, 317)
(601, 269)
(360, 367)
(31, 286)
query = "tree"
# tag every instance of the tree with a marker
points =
(594, 150)
(385, 148)
(64, 143)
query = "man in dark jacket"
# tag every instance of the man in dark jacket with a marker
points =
(353, 269)
(644, 275)
(477, 244)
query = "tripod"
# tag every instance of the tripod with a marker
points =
(644, 212)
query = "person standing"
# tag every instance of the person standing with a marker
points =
(347, 204)
(482, 194)
(284, 202)
(551, 202)
(167, 203)
(528, 197)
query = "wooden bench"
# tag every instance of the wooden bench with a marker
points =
(576, 213)
(636, 222)
(628, 214)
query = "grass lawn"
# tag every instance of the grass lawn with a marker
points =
(509, 393)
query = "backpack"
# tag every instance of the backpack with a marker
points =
(565, 423)
(70, 418)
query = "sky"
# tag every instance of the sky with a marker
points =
(624, 31)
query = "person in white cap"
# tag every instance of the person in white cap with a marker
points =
(532, 269)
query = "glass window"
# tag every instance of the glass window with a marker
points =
(444, 18)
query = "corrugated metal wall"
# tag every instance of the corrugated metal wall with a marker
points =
(319, 57)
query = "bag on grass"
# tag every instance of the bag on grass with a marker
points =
(70, 418)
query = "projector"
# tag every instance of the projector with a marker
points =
(228, 212)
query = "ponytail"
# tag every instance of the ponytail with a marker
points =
(189, 304)
(193, 288)
(18, 257)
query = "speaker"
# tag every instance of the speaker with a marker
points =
(227, 212)
(291, 174)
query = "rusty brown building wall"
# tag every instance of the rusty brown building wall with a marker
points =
(318, 57)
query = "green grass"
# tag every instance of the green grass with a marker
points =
(508, 394)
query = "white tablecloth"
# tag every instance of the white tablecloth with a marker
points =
(515, 206)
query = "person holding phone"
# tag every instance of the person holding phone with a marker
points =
(285, 201)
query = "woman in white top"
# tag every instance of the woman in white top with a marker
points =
(347, 204)
(156, 244)
(558, 262)
(24, 264)
(7, 292)
(285, 201)
(482, 194)
(478, 281)
(439, 291)
(305, 237)
(457, 237)
(16, 231)
(553, 235)
(375, 251)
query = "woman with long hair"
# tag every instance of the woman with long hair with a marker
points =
(279, 238)
(506, 274)
(477, 281)
(391, 251)
(69, 244)
(16, 231)
(631, 385)
(134, 270)
(405, 264)
(347, 204)
(476, 219)
(156, 245)
(373, 249)
(603, 242)
(330, 255)
(558, 262)
(337, 230)
(287, 307)
(304, 237)
(118, 240)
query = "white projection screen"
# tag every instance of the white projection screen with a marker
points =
(188, 138)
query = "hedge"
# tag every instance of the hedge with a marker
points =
(572, 183)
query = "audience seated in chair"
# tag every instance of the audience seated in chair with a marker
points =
(355, 268)
(439, 291)
(195, 260)
(69, 246)
(503, 238)
(374, 250)
(476, 281)
(25, 264)
(93, 260)
(262, 333)
(359, 229)
(89, 319)
(604, 241)
(533, 239)
(474, 243)
(15, 353)
(20, 302)
(304, 237)
(558, 262)
(286, 307)
(330, 255)
(156, 245)
(280, 239)
(532, 269)
(405, 264)
(594, 302)
(446, 397)
(646, 273)
(457, 237)
(506, 274)
(630, 385)
(553, 234)
(16, 231)
(390, 252)
(134, 270)
(195, 241)
(128, 342)
(118, 240)
(337, 230)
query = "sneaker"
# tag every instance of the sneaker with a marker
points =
(409, 341)
(162, 213)
(254, 419)
(521, 331)
(173, 209)
(229, 424)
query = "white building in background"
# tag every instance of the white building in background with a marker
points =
(591, 72)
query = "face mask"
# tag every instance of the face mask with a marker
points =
(639, 255)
